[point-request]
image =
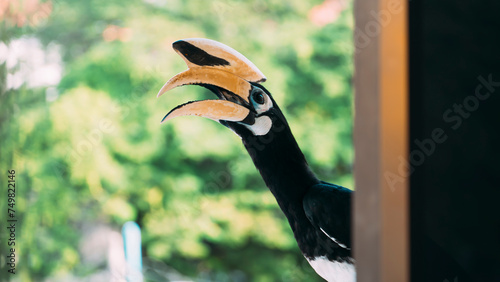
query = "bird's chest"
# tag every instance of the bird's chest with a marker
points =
(330, 261)
(313, 243)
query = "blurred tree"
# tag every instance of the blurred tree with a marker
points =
(92, 151)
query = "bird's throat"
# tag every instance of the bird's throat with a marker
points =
(282, 164)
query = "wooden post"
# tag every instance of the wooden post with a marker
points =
(381, 234)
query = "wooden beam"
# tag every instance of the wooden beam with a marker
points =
(381, 141)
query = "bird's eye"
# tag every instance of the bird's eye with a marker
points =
(258, 97)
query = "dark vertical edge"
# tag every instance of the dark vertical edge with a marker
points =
(416, 123)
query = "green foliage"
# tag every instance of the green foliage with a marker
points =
(98, 154)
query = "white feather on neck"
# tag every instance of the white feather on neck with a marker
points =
(261, 126)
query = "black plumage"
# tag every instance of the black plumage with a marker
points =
(308, 203)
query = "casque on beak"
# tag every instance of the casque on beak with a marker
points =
(223, 70)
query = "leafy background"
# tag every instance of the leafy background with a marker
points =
(90, 153)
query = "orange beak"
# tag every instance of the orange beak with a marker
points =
(223, 68)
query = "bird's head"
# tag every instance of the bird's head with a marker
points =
(244, 105)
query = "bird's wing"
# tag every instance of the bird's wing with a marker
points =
(328, 207)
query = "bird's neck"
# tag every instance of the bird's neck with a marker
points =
(282, 165)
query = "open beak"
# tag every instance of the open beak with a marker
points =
(221, 69)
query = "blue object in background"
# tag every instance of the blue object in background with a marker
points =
(131, 233)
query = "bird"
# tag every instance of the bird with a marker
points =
(319, 213)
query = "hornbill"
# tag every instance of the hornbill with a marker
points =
(318, 212)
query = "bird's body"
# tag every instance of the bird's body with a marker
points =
(318, 212)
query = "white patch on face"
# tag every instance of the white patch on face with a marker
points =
(335, 240)
(333, 271)
(261, 126)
